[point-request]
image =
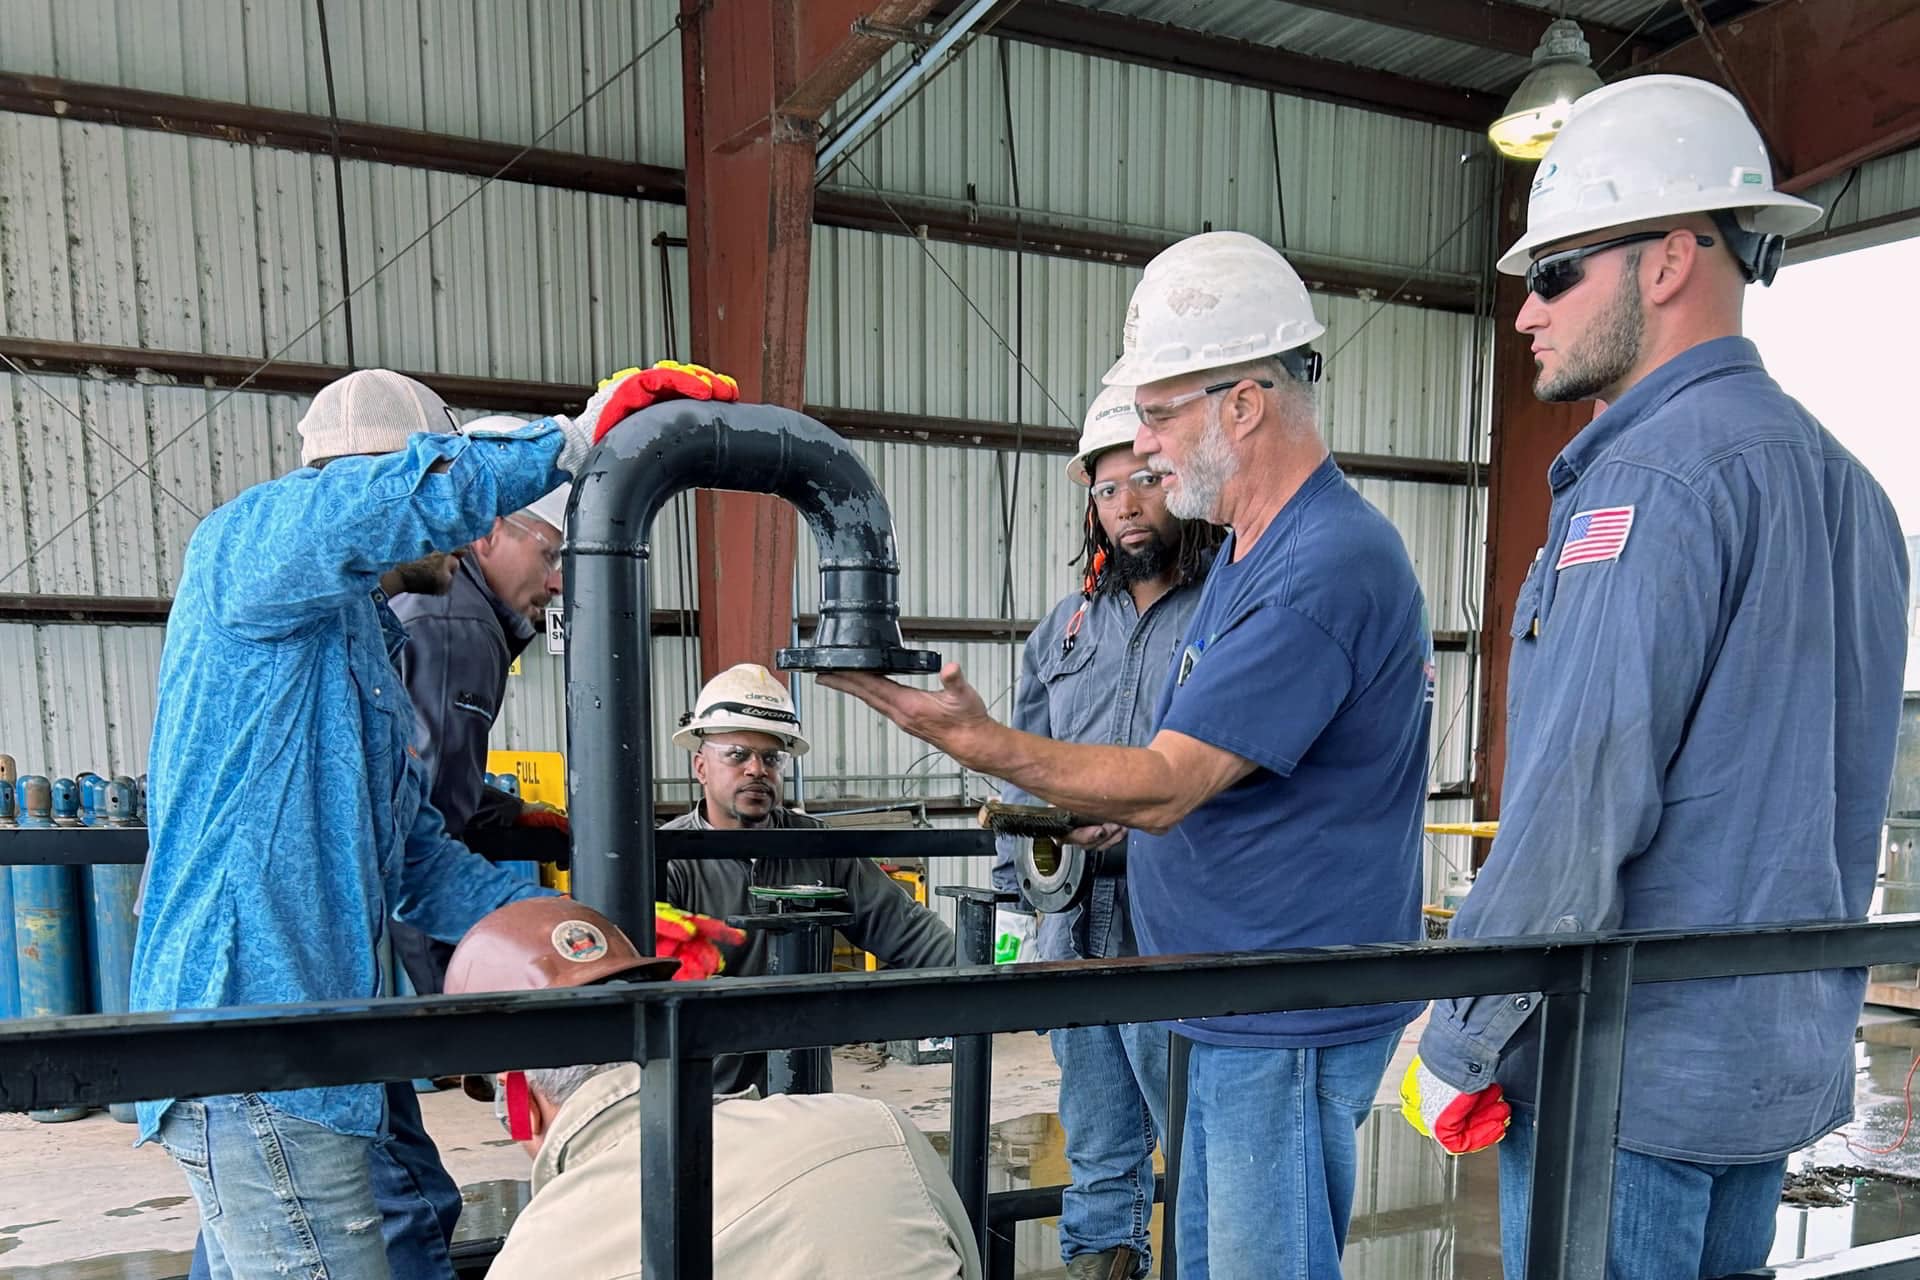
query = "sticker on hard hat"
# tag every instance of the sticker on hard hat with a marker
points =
(579, 941)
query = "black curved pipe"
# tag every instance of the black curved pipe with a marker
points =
(623, 484)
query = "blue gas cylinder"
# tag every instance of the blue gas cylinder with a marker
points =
(9, 962)
(93, 797)
(48, 931)
(111, 924)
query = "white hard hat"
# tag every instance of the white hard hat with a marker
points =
(1111, 422)
(1210, 300)
(1653, 147)
(742, 699)
(369, 411)
(552, 508)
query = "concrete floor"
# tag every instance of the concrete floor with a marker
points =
(77, 1202)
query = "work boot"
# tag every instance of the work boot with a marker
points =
(1109, 1264)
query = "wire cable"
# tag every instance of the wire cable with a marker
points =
(328, 314)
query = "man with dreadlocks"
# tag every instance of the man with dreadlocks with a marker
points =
(1092, 672)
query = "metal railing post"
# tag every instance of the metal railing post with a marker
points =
(1179, 1051)
(676, 1152)
(1582, 1051)
(969, 1108)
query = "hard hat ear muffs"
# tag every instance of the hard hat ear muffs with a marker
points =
(1758, 253)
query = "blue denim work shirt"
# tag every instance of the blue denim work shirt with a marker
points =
(289, 816)
(1103, 689)
(1701, 717)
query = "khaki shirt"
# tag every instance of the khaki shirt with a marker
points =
(803, 1186)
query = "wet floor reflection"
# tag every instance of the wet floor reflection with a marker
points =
(1415, 1215)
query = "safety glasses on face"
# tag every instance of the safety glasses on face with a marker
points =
(549, 549)
(736, 757)
(1142, 482)
(1552, 275)
(1155, 415)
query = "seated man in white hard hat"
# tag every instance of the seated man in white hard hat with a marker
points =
(743, 732)
(803, 1186)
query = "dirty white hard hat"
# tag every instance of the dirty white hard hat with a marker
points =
(1653, 147)
(742, 699)
(369, 411)
(552, 508)
(1210, 300)
(1111, 422)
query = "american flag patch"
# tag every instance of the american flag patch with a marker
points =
(1600, 534)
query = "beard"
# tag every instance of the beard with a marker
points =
(1204, 475)
(751, 807)
(1148, 562)
(1607, 352)
(427, 576)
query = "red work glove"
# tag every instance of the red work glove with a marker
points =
(543, 816)
(1459, 1121)
(692, 940)
(634, 389)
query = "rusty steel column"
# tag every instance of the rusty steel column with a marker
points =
(1527, 434)
(759, 74)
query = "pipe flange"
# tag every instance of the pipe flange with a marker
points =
(891, 659)
(1053, 876)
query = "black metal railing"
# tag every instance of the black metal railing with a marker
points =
(675, 1030)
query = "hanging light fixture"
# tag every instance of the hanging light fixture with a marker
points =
(1562, 71)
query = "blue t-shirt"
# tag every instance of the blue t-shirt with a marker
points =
(1311, 658)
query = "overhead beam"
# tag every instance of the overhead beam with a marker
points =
(1182, 50)
(507, 395)
(757, 77)
(1500, 25)
(56, 610)
(1830, 82)
(951, 223)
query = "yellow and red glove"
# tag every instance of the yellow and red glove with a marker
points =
(1459, 1121)
(634, 389)
(692, 940)
(536, 814)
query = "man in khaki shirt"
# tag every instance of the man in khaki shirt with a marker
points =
(803, 1186)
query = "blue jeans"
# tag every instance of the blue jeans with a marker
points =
(1672, 1219)
(1267, 1167)
(1113, 1103)
(415, 1197)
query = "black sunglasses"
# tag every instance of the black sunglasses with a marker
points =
(1553, 275)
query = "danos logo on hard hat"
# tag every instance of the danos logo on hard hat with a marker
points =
(579, 941)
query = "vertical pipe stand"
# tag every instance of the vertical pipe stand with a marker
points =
(969, 1112)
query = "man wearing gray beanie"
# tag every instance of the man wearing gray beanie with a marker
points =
(290, 815)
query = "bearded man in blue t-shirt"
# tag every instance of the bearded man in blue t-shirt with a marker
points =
(1279, 803)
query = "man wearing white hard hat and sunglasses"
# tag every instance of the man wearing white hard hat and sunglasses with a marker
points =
(1705, 688)
(1279, 801)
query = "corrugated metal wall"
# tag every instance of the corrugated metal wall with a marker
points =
(138, 238)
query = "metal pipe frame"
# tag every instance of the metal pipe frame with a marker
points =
(675, 1029)
(621, 487)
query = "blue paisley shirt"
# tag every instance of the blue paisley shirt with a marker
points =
(289, 816)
